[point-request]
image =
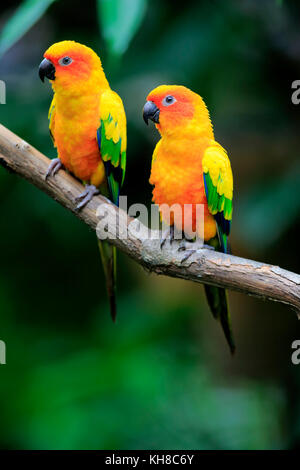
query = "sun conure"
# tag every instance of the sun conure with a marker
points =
(88, 126)
(190, 167)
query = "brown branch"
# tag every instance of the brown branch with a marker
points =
(141, 244)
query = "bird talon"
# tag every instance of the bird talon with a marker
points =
(185, 244)
(81, 196)
(167, 235)
(86, 196)
(82, 204)
(54, 167)
(189, 253)
(162, 241)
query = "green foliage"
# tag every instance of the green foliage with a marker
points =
(119, 21)
(266, 212)
(162, 376)
(137, 385)
(28, 13)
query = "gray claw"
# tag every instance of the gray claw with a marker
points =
(186, 245)
(188, 254)
(162, 241)
(53, 168)
(183, 246)
(167, 235)
(85, 197)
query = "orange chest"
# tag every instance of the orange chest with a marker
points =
(178, 177)
(77, 145)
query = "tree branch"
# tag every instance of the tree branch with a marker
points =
(142, 244)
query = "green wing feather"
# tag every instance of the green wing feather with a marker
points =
(218, 185)
(51, 117)
(217, 177)
(111, 137)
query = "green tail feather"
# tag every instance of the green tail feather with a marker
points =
(217, 301)
(108, 254)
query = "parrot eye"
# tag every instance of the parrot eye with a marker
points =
(168, 100)
(65, 61)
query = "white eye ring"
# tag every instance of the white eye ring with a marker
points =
(168, 100)
(65, 61)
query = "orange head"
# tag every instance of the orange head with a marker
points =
(72, 67)
(175, 108)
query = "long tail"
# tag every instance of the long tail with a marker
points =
(217, 301)
(108, 254)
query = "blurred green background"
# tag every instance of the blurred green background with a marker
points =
(162, 377)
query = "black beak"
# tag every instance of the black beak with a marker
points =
(151, 111)
(46, 69)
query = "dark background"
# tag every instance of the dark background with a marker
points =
(162, 377)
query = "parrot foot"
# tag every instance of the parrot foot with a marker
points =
(53, 168)
(85, 197)
(185, 246)
(188, 254)
(167, 235)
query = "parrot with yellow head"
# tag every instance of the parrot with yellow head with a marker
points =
(87, 123)
(190, 168)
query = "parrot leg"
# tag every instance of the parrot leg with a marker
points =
(53, 168)
(188, 254)
(190, 251)
(167, 235)
(85, 197)
(186, 243)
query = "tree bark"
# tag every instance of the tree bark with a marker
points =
(142, 244)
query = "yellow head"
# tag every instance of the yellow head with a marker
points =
(175, 109)
(72, 68)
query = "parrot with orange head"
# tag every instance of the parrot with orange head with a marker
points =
(87, 123)
(190, 168)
